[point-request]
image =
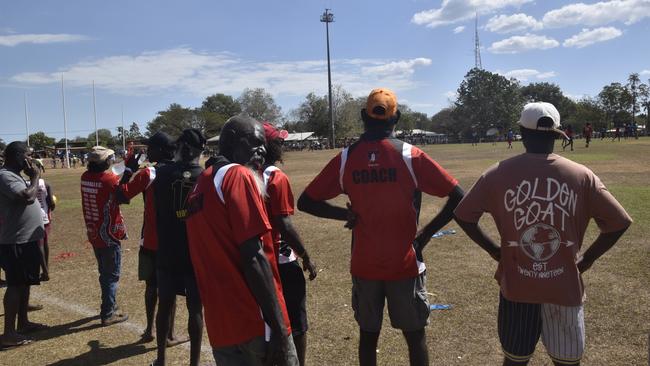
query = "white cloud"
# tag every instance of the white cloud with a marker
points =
(517, 44)
(645, 72)
(527, 74)
(590, 36)
(459, 29)
(600, 13)
(454, 11)
(16, 39)
(450, 94)
(182, 70)
(512, 23)
(396, 67)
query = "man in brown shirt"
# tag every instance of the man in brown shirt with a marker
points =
(541, 204)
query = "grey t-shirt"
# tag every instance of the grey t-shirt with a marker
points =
(19, 222)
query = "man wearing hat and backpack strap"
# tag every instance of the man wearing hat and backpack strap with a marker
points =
(542, 204)
(384, 178)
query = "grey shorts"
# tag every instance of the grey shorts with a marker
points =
(408, 306)
(250, 353)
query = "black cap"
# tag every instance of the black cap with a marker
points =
(192, 137)
(160, 140)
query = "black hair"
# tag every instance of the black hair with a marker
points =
(379, 127)
(95, 167)
(15, 148)
(527, 133)
(273, 151)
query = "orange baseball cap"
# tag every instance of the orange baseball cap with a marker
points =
(381, 104)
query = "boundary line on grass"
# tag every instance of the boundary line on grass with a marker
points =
(88, 312)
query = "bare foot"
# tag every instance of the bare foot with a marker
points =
(175, 341)
(12, 341)
(37, 307)
(147, 337)
(30, 327)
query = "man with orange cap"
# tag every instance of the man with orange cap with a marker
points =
(383, 178)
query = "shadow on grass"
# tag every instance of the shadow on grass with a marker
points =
(99, 355)
(67, 328)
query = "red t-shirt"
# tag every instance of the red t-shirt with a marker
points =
(229, 210)
(104, 221)
(279, 202)
(382, 179)
(141, 182)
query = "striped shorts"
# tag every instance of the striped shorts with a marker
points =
(562, 329)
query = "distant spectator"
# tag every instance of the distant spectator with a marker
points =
(587, 131)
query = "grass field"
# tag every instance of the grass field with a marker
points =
(618, 290)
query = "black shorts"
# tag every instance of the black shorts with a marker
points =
(147, 266)
(295, 296)
(21, 263)
(171, 283)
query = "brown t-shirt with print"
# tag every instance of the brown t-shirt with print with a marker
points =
(541, 205)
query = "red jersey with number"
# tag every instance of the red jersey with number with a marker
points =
(279, 202)
(383, 180)
(227, 209)
(104, 221)
(140, 183)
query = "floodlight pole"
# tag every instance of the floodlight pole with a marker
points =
(328, 18)
(26, 118)
(65, 125)
(123, 133)
(95, 116)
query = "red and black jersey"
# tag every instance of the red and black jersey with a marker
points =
(104, 221)
(383, 179)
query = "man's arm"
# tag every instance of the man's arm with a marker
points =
(290, 235)
(479, 237)
(259, 278)
(601, 245)
(323, 208)
(442, 218)
(28, 195)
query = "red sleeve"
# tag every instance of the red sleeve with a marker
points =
(326, 185)
(244, 204)
(138, 183)
(280, 194)
(432, 178)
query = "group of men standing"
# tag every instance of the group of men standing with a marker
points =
(223, 237)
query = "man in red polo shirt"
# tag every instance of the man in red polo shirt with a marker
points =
(384, 178)
(232, 254)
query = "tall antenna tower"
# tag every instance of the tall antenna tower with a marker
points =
(477, 46)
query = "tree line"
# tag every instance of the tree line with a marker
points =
(488, 100)
(484, 100)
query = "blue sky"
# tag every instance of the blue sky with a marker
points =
(144, 55)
